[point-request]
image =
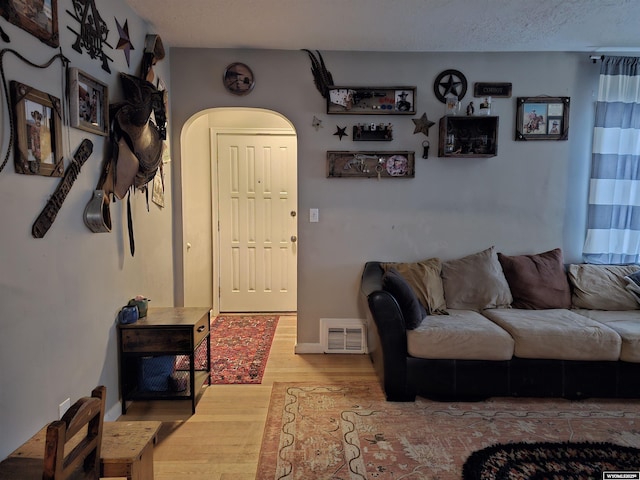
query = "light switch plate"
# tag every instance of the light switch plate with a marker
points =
(314, 215)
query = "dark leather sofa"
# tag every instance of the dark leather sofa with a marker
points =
(403, 376)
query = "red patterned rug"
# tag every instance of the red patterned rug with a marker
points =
(240, 346)
(349, 431)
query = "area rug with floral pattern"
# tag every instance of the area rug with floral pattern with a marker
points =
(349, 431)
(240, 346)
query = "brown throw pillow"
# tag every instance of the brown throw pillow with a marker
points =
(424, 279)
(537, 282)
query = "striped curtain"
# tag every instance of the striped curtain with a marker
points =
(613, 224)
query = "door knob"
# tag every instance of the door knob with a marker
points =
(294, 239)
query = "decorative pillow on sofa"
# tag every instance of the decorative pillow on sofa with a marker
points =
(537, 282)
(424, 278)
(411, 308)
(601, 287)
(475, 282)
(633, 284)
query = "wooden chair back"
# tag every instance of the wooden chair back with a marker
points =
(70, 454)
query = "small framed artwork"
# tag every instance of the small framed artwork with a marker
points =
(39, 18)
(542, 118)
(372, 100)
(89, 103)
(371, 164)
(38, 131)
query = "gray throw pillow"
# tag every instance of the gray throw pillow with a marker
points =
(476, 282)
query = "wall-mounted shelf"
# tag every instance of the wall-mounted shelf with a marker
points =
(365, 132)
(372, 100)
(371, 164)
(470, 136)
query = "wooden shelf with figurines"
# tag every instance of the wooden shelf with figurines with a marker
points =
(396, 164)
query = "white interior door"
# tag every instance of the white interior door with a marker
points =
(257, 202)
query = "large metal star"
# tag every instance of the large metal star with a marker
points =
(124, 43)
(341, 132)
(450, 86)
(422, 124)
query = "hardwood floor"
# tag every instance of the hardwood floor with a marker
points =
(222, 440)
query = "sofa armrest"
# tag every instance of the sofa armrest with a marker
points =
(389, 348)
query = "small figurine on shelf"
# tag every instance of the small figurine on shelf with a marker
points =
(470, 109)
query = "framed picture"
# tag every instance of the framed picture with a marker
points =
(89, 103)
(542, 118)
(39, 18)
(38, 131)
(371, 164)
(372, 100)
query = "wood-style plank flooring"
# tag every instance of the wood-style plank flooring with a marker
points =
(222, 440)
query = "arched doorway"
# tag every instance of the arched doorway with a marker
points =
(201, 241)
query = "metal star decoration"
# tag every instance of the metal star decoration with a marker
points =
(422, 124)
(341, 132)
(124, 43)
(317, 123)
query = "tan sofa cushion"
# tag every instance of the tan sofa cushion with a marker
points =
(461, 335)
(557, 334)
(475, 282)
(626, 323)
(601, 287)
(424, 279)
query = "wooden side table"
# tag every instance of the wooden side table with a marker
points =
(164, 332)
(126, 451)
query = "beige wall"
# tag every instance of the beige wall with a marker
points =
(529, 198)
(59, 295)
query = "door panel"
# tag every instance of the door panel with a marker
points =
(257, 194)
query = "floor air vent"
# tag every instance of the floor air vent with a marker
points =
(343, 335)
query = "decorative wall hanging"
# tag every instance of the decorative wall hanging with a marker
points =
(341, 132)
(322, 78)
(372, 100)
(450, 81)
(500, 90)
(93, 31)
(238, 79)
(422, 124)
(365, 132)
(542, 118)
(89, 102)
(371, 164)
(468, 136)
(316, 123)
(38, 129)
(34, 18)
(124, 42)
(48, 215)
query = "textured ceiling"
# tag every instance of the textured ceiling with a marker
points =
(398, 25)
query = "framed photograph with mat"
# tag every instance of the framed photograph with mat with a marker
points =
(39, 18)
(89, 102)
(542, 118)
(37, 118)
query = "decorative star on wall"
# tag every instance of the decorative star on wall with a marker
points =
(341, 132)
(124, 43)
(317, 123)
(422, 124)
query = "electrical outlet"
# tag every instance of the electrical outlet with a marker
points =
(314, 215)
(63, 407)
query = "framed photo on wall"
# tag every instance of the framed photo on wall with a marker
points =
(542, 118)
(38, 130)
(89, 103)
(39, 18)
